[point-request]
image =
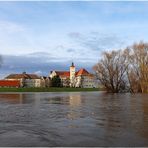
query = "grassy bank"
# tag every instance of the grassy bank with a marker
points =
(51, 89)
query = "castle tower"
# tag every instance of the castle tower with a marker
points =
(72, 74)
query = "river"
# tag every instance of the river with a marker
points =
(73, 119)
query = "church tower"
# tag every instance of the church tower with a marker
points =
(72, 74)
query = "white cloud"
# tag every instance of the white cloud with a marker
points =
(10, 27)
(38, 72)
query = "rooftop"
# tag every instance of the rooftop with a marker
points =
(81, 72)
(23, 75)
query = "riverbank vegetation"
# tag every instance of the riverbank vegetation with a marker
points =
(124, 70)
(50, 89)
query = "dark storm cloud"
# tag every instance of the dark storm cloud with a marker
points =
(41, 63)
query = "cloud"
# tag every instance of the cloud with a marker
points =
(70, 50)
(40, 63)
(96, 41)
(15, 38)
(74, 34)
(76, 31)
(38, 72)
(10, 27)
(119, 7)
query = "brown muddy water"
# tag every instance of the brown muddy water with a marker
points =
(73, 119)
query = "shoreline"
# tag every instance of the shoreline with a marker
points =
(46, 90)
(1, 93)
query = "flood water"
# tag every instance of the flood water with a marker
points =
(73, 119)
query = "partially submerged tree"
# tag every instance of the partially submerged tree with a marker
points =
(138, 71)
(111, 70)
(123, 69)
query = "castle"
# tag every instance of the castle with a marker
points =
(72, 78)
(81, 78)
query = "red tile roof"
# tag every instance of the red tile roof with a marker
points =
(82, 71)
(25, 76)
(9, 83)
(63, 73)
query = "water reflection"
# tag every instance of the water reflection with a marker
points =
(144, 122)
(72, 100)
(75, 100)
(58, 100)
(19, 98)
(73, 119)
(12, 98)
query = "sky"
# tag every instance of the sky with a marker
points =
(38, 37)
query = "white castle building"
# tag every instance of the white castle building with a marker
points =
(81, 78)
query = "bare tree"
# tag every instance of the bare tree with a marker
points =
(138, 71)
(123, 69)
(111, 70)
(133, 81)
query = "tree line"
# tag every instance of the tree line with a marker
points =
(124, 70)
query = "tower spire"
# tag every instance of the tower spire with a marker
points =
(72, 74)
(72, 64)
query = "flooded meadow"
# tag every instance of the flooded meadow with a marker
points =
(73, 119)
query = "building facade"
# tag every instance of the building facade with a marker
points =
(72, 78)
(29, 80)
(10, 83)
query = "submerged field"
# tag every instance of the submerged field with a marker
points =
(73, 119)
(50, 89)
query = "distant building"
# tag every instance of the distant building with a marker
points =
(10, 83)
(64, 76)
(73, 78)
(45, 81)
(29, 80)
